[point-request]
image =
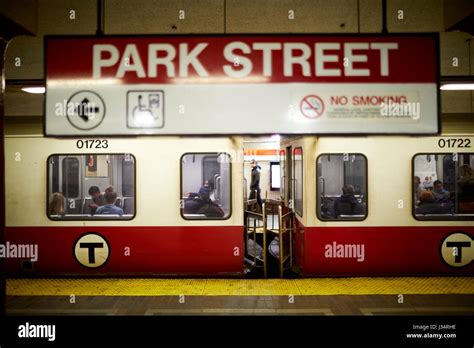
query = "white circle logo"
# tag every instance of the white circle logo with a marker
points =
(457, 249)
(91, 250)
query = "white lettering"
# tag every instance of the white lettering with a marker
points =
(267, 49)
(351, 58)
(131, 54)
(321, 58)
(37, 331)
(167, 60)
(289, 59)
(99, 63)
(243, 61)
(384, 47)
(190, 58)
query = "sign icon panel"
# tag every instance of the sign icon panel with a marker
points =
(85, 110)
(312, 106)
(145, 109)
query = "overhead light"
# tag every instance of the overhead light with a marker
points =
(34, 90)
(457, 87)
(275, 137)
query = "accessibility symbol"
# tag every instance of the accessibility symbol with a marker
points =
(85, 110)
(145, 109)
(312, 106)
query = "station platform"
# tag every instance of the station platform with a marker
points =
(316, 296)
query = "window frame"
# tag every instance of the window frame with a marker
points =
(95, 217)
(438, 218)
(64, 163)
(181, 210)
(282, 159)
(300, 214)
(319, 217)
(274, 163)
(134, 176)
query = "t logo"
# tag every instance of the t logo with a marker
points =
(91, 250)
(457, 249)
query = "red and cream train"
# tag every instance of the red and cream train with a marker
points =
(153, 237)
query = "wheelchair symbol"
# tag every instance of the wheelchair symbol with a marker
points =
(145, 109)
(142, 108)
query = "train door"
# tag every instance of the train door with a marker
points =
(287, 175)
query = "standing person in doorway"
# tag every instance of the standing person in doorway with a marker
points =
(255, 182)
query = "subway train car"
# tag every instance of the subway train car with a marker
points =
(155, 229)
(383, 229)
(178, 205)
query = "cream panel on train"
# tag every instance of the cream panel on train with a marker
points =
(157, 174)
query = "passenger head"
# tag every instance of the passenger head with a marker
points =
(416, 181)
(253, 163)
(56, 204)
(109, 189)
(426, 196)
(348, 190)
(466, 170)
(438, 185)
(94, 191)
(204, 195)
(110, 197)
(206, 183)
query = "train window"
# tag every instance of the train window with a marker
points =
(91, 187)
(275, 176)
(206, 186)
(443, 186)
(341, 187)
(298, 180)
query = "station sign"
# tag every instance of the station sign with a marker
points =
(242, 84)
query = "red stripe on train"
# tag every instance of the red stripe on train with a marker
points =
(387, 251)
(210, 250)
(194, 250)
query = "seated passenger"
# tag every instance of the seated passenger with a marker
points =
(211, 209)
(439, 193)
(109, 208)
(428, 205)
(204, 191)
(347, 204)
(428, 183)
(417, 188)
(466, 189)
(56, 204)
(97, 199)
(201, 203)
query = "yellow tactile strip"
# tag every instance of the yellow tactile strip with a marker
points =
(239, 287)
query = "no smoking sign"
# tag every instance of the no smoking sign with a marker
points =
(312, 106)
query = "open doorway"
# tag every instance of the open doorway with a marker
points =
(263, 206)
